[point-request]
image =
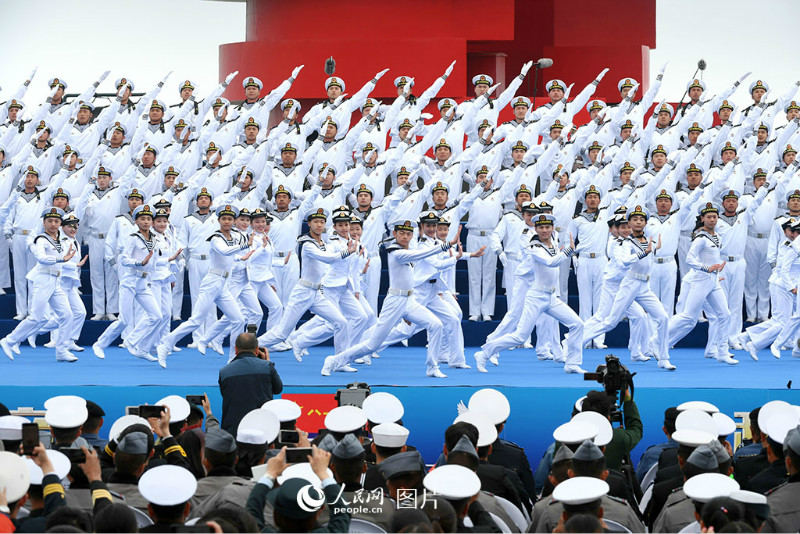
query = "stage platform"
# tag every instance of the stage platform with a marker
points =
(541, 394)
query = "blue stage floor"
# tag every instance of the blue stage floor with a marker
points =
(398, 366)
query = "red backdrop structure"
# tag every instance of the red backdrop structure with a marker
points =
(421, 37)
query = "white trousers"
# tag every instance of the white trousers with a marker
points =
(764, 333)
(197, 272)
(139, 314)
(23, 263)
(394, 309)
(5, 265)
(371, 285)
(176, 294)
(286, 276)
(539, 302)
(589, 272)
(73, 327)
(317, 330)
(733, 284)
(482, 273)
(696, 296)
(269, 298)
(663, 280)
(756, 291)
(163, 292)
(103, 276)
(791, 328)
(46, 295)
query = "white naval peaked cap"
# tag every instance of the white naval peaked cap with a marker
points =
(61, 400)
(304, 471)
(706, 486)
(574, 432)
(492, 403)
(61, 465)
(695, 420)
(666, 107)
(779, 425)
(696, 82)
(389, 435)
(447, 101)
(179, 408)
(402, 80)
(452, 482)
(604, 430)
(773, 408)
(484, 79)
(252, 80)
(580, 490)
(748, 497)
(167, 485)
(758, 84)
(487, 433)
(698, 405)
(345, 419)
(14, 475)
(258, 426)
(124, 422)
(693, 438)
(625, 82)
(725, 425)
(335, 80)
(11, 427)
(66, 415)
(382, 407)
(555, 84)
(284, 409)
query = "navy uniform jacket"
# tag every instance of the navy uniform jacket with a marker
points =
(513, 456)
(246, 383)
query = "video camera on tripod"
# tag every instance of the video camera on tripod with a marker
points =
(615, 378)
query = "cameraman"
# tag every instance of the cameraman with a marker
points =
(247, 382)
(626, 436)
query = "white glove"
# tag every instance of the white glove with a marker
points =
(103, 76)
(407, 87)
(425, 116)
(602, 74)
(487, 133)
(166, 77)
(492, 89)
(297, 70)
(525, 68)
(461, 407)
(339, 99)
(449, 69)
(663, 67)
(230, 77)
(380, 74)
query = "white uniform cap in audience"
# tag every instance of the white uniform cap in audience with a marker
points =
(698, 405)
(179, 408)
(11, 426)
(579, 404)
(389, 435)
(167, 485)
(61, 400)
(693, 438)
(258, 426)
(452, 482)
(60, 462)
(304, 471)
(345, 419)
(604, 430)
(68, 415)
(574, 432)
(695, 420)
(487, 433)
(777, 426)
(285, 409)
(14, 476)
(773, 408)
(580, 490)
(748, 497)
(124, 422)
(492, 403)
(706, 486)
(725, 425)
(382, 407)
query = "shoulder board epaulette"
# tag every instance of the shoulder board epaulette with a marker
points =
(392, 247)
(511, 444)
(776, 488)
(618, 500)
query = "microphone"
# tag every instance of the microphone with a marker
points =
(330, 66)
(544, 63)
(701, 64)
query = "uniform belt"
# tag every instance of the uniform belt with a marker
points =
(310, 285)
(199, 256)
(642, 277)
(732, 258)
(53, 272)
(664, 260)
(432, 281)
(25, 232)
(399, 292)
(545, 289)
(143, 274)
(481, 231)
(591, 255)
(283, 254)
(757, 235)
(100, 236)
(219, 272)
(559, 228)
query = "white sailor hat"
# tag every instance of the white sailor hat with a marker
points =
(401, 224)
(625, 82)
(779, 425)
(292, 103)
(694, 420)
(706, 486)
(124, 81)
(284, 409)
(580, 490)
(158, 104)
(453, 482)
(251, 121)
(389, 435)
(748, 497)
(52, 82)
(186, 84)
(178, 407)
(227, 209)
(758, 84)
(252, 81)
(520, 101)
(595, 105)
(492, 403)
(14, 476)
(124, 422)
(382, 407)
(14, 103)
(167, 485)
(368, 103)
(693, 438)
(61, 466)
(482, 79)
(11, 427)
(83, 104)
(725, 425)
(258, 426)
(400, 81)
(447, 102)
(601, 423)
(555, 84)
(574, 432)
(772, 408)
(335, 80)
(487, 433)
(303, 471)
(696, 82)
(219, 102)
(345, 419)
(31, 169)
(667, 108)
(66, 415)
